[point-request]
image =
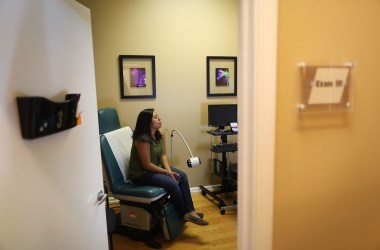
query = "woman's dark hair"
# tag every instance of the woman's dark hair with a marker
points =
(143, 125)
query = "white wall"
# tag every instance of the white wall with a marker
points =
(48, 185)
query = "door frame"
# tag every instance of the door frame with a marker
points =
(257, 113)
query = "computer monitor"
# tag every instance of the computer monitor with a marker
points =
(221, 115)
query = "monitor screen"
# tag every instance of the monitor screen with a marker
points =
(220, 115)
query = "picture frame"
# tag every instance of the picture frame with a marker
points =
(221, 76)
(137, 76)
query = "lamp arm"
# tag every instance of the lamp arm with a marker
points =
(191, 162)
(171, 143)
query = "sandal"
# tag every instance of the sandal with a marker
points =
(196, 220)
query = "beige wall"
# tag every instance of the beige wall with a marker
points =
(180, 34)
(327, 165)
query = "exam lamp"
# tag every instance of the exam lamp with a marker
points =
(191, 162)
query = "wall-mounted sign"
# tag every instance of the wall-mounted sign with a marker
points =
(325, 85)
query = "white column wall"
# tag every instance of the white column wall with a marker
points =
(257, 101)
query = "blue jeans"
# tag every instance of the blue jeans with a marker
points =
(179, 192)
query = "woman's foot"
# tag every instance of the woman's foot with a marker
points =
(195, 218)
(196, 214)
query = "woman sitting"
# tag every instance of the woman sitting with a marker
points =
(149, 165)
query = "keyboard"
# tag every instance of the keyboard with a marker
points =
(222, 132)
(218, 132)
(224, 147)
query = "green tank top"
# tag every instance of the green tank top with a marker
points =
(136, 169)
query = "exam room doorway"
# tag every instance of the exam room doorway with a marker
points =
(256, 99)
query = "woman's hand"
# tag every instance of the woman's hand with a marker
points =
(174, 175)
(177, 177)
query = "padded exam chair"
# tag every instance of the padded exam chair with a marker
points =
(142, 208)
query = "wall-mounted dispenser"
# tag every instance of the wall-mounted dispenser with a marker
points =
(40, 116)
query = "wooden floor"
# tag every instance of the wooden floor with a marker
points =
(220, 234)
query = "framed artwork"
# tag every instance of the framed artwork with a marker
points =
(221, 76)
(137, 76)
